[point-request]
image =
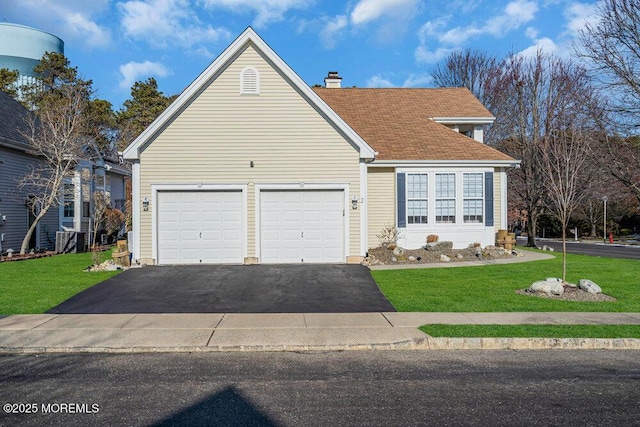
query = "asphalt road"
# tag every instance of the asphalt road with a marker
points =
(602, 250)
(366, 388)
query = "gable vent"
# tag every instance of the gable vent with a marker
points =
(249, 81)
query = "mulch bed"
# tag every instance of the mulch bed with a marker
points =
(571, 293)
(385, 256)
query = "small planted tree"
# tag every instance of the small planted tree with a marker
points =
(98, 215)
(566, 180)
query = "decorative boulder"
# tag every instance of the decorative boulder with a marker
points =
(444, 258)
(398, 251)
(549, 287)
(439, 246)
(432, 238)
(412, 258)
(589, 286)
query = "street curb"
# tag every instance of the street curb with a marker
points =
(414, 344)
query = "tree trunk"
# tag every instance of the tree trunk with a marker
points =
(31, 230)
(564, 254)
(532, 219)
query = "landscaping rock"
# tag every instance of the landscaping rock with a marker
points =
(432, 238)
(411, 258)
(589, 286)
(548, 287)
(444, 258)
(439, 246)
(398, 251)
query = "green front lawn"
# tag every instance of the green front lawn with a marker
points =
(491, 287)
(35, 286)
(533, 331)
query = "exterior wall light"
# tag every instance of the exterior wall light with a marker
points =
(145, 204)
(354, 202)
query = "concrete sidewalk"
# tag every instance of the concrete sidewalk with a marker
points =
(282, 332)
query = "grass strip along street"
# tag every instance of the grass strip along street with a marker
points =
(34, 286)
(532, 331)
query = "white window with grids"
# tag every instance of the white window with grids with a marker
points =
(473, 197)
(68, 199)
(445, 198)
(417, 198)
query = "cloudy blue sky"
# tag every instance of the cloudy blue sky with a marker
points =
(372, 43)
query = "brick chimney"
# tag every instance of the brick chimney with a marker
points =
(333, 80)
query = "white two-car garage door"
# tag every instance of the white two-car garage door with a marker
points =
(197, 227)
(301, 226)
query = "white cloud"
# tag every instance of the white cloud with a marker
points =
(378, 81)
(514, 15)
(418, 80)
(332, 30)
(84, 28)
(132, 72)
(578, 15)
(544, 44)
(370, 10)
(267, 10)
(164, 23)
(67, 19)
(412, 80)
(426, 56)
(532, 33)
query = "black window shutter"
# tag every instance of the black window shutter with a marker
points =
(402, 201)
(488, 198)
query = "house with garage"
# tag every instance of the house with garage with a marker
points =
(95, 173)
(251, 165)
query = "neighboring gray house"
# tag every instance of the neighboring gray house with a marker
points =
(72, 214)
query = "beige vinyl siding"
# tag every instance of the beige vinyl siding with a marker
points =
(216, 137)
(497, 199)
(381, 208)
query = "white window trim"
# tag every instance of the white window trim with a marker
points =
(431, 172)
(243, 88)
(456, 195)
(66, 201)
(155, 188)
(300, 186)
(408, 199)
(482, 199)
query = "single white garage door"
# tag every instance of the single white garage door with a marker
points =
(302, 226)
(197, 227)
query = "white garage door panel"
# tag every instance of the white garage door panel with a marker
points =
(200, 227)
(302, 226)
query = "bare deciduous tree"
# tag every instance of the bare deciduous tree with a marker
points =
(466, 68)
(564, 155)
(533, 99)
(611, 48)
(54, 133)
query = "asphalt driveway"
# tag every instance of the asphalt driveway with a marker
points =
(295, 288)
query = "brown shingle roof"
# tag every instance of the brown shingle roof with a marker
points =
(397, 122)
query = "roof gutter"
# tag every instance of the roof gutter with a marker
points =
(422, 163)
(464, 120)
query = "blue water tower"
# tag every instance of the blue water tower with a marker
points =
(21, 48)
